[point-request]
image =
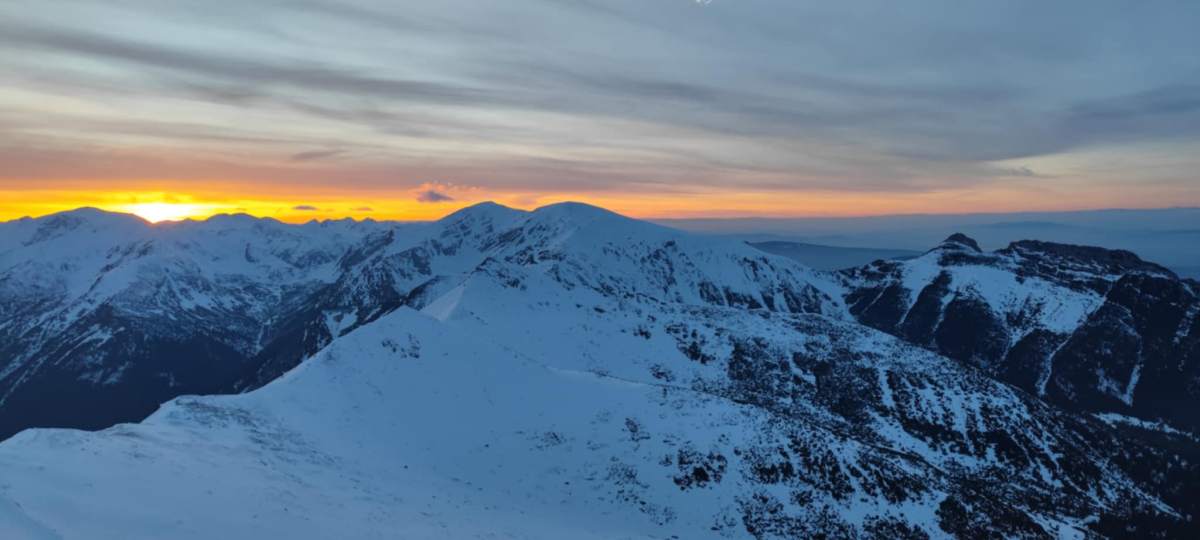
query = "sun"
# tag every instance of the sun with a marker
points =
(155, 212)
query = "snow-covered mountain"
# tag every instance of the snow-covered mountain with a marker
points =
(569, 372)
(1088, 328)
(104, 316)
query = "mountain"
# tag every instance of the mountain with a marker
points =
(569, 372)
(104, 316)
(611, 253)
(1087, 328)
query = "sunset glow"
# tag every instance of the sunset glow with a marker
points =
(714, 113)
(298, 207)
(163, 211)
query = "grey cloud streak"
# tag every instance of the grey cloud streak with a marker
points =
(314, 155)
(433, 196)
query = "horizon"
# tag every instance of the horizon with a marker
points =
(153, 219)
(696, 110)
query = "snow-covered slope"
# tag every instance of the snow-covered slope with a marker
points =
(415, 427)
(1093, 329)
(567, 373)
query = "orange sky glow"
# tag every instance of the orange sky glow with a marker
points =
(301, 205)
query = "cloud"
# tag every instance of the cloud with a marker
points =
(313, 155)
(433, 196)
(581, 91)
(1022, 171)
(309, 76)
(1166, 111)
(305, 208)
(364, 209)
(800, 96)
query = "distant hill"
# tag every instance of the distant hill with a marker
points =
(831, 257)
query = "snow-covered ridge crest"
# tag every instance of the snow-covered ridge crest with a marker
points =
(598, 248)
(588, 246)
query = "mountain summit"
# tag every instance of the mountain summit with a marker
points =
(961, 240)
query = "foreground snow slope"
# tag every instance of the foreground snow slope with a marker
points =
(384, 435)
(558, 390)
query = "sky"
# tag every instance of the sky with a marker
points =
(402, 109)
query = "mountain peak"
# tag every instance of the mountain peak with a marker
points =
(483, 210)
(81, 223)
(598, 222)
(573, 211)
(235, 218)
(573, 207)
(93, 214)
(960, 239)
(86, 218)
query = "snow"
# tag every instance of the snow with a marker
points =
(518, 418)
(449, 426)
(338, 323)
(1185, 325)
(15, 524)
(918, 273)
(359, 423)
(884, 388)
(1054, 307)
(1131, 386)
(59, 270)
(99, 254)
(1048, 368)
(443, 307)
(1114, 418)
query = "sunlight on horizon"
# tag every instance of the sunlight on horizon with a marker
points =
(156, 212)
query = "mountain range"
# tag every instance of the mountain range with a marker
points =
(570, 372)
